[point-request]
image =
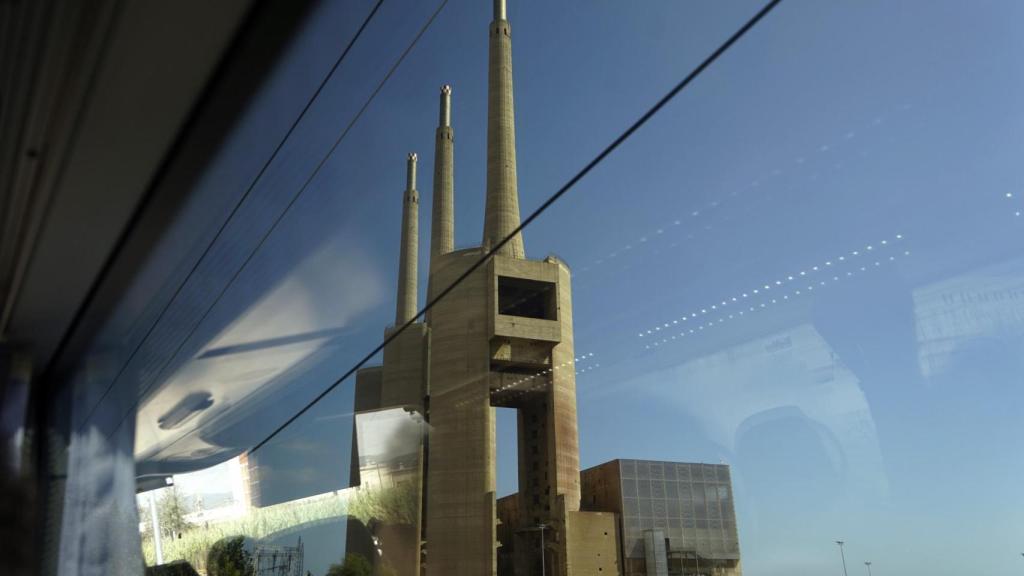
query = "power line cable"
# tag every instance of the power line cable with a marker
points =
(537, 212)
(330, 152)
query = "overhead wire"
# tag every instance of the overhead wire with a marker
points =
(636, 125)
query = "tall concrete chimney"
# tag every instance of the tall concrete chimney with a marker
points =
(501, 215)
(407, 274)
(442, 228)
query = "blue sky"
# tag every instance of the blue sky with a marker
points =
(879, 405)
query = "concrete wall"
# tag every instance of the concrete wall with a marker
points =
(461, 537)
(593, 543)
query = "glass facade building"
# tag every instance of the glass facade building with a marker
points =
(691, 505)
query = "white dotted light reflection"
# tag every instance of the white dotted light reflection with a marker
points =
(538, 381)
(779, 298)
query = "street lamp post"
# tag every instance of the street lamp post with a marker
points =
(868, 564)
(843, 555)
(541, 527)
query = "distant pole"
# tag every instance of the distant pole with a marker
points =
(156, 528)
(843, 555)
(868, 564)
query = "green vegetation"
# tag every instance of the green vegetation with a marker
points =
(194, 544)
(396, 505)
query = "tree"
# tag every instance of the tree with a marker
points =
(228, 557)
(354, 565)
(171, 509)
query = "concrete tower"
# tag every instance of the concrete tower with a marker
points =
(442, 227)
(501, 215)
(398, 386)
(502, 337)
(407, 270)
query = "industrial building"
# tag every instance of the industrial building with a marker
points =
(674, 518)
(501, 337)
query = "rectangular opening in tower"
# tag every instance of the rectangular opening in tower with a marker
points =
(526, 298)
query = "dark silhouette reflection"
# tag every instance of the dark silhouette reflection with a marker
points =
(177, 568)
(185, 410)
(16, 524)
(230, 557)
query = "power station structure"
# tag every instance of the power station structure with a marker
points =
(501, 337)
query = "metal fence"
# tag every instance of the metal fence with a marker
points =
(278, 560)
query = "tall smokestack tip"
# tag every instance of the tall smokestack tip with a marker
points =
(445, 119)
(411, 172)
(499, 9)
